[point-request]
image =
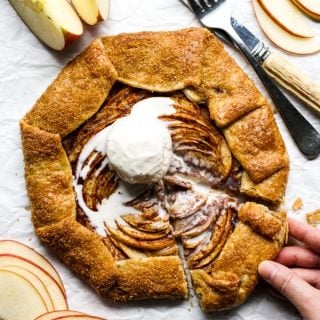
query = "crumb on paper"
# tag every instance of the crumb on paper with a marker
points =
(313, 218)
(298, 204)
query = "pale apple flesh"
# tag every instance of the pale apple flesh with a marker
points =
(57, 314)
(87, 10)
(79, 318)
(287, 16)
(35, 281)
(310, 7)
(54, 22)
(67, 314)
(19, 300)
(57, 295)
(103, 7)
(281, 38)
(92, 11)
(18, 249)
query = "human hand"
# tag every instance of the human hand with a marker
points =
(300, 283)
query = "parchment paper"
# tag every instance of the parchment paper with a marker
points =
(27, 67)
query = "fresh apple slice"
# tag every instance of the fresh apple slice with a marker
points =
(287, 16)
(283, 39)
(92, 11)
(57, 295)
(53, 21)
(79, 318)
(310, 7)
(58, 314)
(21, 250)
(35, 281)
(68, 315)
(19, 300)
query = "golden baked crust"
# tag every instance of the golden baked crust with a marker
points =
(76, 94)
(135, 279)
(83, 251)
(157, 61)
(260, 219)
(271, 189)
(48, 176)
(256, 142)
(234, 274)
(229, 92)
(224, 270)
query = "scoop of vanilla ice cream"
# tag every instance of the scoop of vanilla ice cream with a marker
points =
(139, 150)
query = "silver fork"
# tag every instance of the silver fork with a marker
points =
(216, 16)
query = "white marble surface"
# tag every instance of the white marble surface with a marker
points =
(27, 68)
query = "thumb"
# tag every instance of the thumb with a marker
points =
(286, 281)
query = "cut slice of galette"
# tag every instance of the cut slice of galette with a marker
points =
(153, 155)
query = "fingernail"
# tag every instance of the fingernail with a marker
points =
(266, 269)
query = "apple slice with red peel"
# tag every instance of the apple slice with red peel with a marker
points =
(79, 318)
(19, 299)
(67, 315)
(18, 249)
(35, 281)
(281, 38)
(57, 295)
(310, 7)
(288, 17)
(92, 11)
(58, 314)
(53, 21)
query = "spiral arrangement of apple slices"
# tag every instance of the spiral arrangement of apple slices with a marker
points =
(286, 26)
(30, 287)
(183, 205)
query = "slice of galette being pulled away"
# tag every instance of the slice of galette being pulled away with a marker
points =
(153, 148)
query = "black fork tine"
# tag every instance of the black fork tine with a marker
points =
(197, 8)
(204, 5)
(214, 3)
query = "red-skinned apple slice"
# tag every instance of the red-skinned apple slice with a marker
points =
(68, 315)
(283, 39)
(79, 318)
(35, 281)
(57, 295)
(53, 21)
(92, 11)
(288, 17)
(19, 300)
(61, 313)
(18, 249)
(310, 7)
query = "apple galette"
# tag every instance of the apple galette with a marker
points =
(153, 157)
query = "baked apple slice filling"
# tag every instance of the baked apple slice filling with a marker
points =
(145, 220)
(205, 230)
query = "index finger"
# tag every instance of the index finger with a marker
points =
(305, 233)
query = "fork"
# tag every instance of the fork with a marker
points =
(217, 18)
